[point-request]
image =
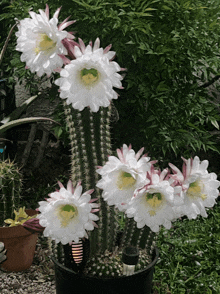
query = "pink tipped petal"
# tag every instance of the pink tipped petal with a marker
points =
(120, 156)
(64, 25)
(65, 59)
(93, 200)
(95, 225)
(79, 184)
(106, 50)
(70, 35)
(47, 11)
(60, 185)
(163, 174)
(96, 44)
(90, 191)
(70, 187)
(82, 45)
(56, 14)
(95, 210)
(139, 153)
(69, 45)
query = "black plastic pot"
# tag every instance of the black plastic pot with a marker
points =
(69, 282)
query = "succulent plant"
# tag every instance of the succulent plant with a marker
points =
(10, 189)
(20, 218)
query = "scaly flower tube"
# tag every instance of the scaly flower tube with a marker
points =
(40, 41)
(195, 186)
(88, 79)
(68, 214)
(122, 176)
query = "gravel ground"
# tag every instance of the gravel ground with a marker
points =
(38, 279)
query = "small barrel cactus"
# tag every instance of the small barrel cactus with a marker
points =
(10, 188)
(106, 264)
(2, 252)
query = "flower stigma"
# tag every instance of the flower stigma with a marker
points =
(44, 43)
(89, 76)
(125, 181)
(154, 200)
(67, 213)
(195, 190)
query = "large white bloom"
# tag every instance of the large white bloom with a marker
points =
(89, 79)
(67, 214)
(40, 41)
(152, 205)
(122, 176)
(195, 186)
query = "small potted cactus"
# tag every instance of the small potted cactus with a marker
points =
(19, 241)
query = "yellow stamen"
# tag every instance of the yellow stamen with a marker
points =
(195, 190)
(154, 200)
(89, 76)
(44, 43)
(67, 213)
(125, 181)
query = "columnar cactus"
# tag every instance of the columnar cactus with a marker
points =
(10, 188)
(90, 147)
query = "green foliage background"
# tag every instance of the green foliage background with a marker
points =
(170, 49)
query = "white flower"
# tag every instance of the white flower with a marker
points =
(195, 186)
(88, 80)
(67, 214)
(121, 177)
(40, 41)
(152, 205)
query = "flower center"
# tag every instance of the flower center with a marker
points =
(154, 200)
(195, 190)
(125, 181)
(44, 43)
(67, 213)
(89, 76)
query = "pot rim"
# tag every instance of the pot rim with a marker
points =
(89, 277)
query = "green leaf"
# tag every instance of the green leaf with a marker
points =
(19, 110)
(21, 121)
(215, 123)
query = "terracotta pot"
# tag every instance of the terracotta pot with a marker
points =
(20, 244)
(67, 281)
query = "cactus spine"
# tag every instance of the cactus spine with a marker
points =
(10, 188)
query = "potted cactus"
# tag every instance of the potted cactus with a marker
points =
(19, 242)
(82, 220)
